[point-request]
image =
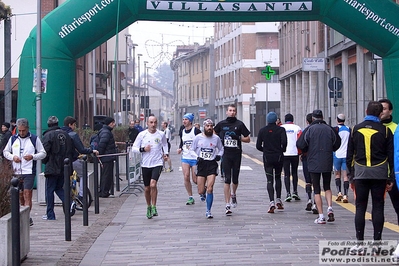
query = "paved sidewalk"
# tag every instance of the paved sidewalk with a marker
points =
(181, 235)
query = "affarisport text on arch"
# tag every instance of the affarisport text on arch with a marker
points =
(369, 14)
(269, 6)
(85, 17)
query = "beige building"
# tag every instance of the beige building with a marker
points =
(193, 67)
(242, 51)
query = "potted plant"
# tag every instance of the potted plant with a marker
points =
(6, 173)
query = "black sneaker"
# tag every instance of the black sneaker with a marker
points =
(228, 211)
(288, 198)
(309, 205)
(30, 221)
(295, 196)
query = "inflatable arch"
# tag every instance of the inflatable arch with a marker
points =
(77, 27)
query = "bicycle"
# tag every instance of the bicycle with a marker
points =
(77, 202)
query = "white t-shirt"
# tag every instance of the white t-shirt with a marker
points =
(293, 132)
(159, 147)
(207, 147)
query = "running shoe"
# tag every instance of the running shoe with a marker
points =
(167, 170)
(228, 211)
(190, 201)
(288, 198)
(233, 201)
(171, 169)
(272, 207)
(314, 209)
(209, 215)
(149, 212)
(295, 196)
(154, 211)
(330, 214)
(339, 197)
(279, 204)
(320, 221)
(309, 205)
(357, 250)
(203, 197)
(345, 199)
(30, 221)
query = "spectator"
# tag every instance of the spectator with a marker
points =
(106, 146)
(58, 146)
(77, 149)
(132, 132)
(23, 149)
(137, 125)
(6, 134)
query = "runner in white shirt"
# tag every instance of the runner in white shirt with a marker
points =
(291, 157)
(209, 149)
(168, 136)
(152, 144)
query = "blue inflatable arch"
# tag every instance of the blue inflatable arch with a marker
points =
(76, 27)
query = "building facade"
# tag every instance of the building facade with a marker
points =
(193, 67)
(242, 53)
(303, 91)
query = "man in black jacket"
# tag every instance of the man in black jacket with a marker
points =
(106, 146)
(58, 146)
(77, 149)
(272, 141)
(319, 140)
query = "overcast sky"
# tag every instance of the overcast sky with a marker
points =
(158, 40)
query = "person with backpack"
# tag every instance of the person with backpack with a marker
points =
(58, 146)
(77, 149)
(24, 149)
(106, 145)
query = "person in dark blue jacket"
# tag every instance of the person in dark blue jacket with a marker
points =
(78, 148)
(106, 146)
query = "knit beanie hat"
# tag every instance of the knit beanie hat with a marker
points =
(6, 124)
(108, 120)
(189, 116)
(271, 117)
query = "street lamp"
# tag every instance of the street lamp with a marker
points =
(145, 92)
(267, 89)
(252, 103)
(128, 40)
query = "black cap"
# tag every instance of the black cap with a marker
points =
(289, 117)
(6, 124)
(317, 114)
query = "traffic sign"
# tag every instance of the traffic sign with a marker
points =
(335, 84)
(142, 117)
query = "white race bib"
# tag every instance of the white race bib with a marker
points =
(206, 153)
(232, 143)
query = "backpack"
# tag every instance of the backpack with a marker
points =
(32, 139)
(94, 140)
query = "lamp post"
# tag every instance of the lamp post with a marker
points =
(252, 103)
(145, 86)
(138, 79)
(267, 89)
(148, 90)
(133, 108)
(128, 40)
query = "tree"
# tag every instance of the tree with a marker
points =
(163, 77)
(5, 11)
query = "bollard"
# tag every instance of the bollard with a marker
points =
(15, 223)
(96, 199)
(67, 200)
(117, 175)
(85, 203)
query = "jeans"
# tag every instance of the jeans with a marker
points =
(54, 183)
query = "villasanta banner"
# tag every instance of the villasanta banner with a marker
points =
(263, 6)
